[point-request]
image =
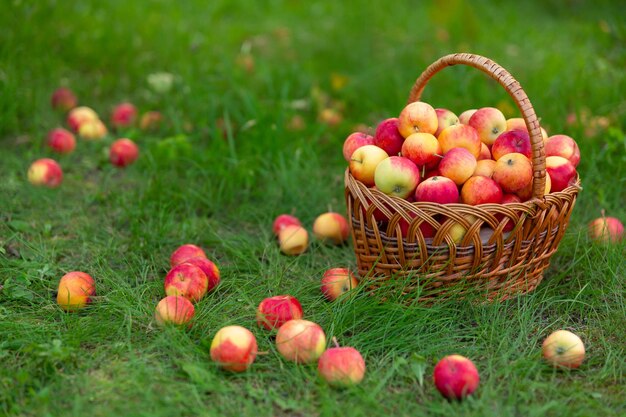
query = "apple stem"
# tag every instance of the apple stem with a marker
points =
(603, 213)
(335, 342)
(423, 171)
(440, 156)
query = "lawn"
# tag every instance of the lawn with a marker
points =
(242, 142)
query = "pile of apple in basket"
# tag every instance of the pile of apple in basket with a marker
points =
(431, 155)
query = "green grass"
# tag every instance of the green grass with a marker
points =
(191, 184)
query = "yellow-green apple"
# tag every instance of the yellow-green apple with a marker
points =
(275, 311)
(186, 280)
(512, 141)
(417, 117)
(423, 149)
(437, 189)
(565, 146)
(123, 115)
(458, 164)
(63, 99)
(466, 115)
(293, 240)
(484, 168)
(46, 172)
(336, 282)
(445, 118)
(458, 231)
(354, 141)
(606, 229)
(123, 152)
(75, 291)
(234, 348)
(283, 221)
(300, 341)
(185, 252)
(209, 268)
(513, 172)
(92, 129)
(563, 349)
(61, 140)
(150, 121)
(387, 136)
(460, 136)
(341, 366)
(456, 377)
(480, 190)
(331, 228)
(175, 310)
(363, 163)
(489, 122)
(397, 176)
(79, 115)
(561, 172)
(485, 152)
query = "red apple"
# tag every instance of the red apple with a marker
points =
(484, 168)
(210, 270)
(485, 152)
(513, 172)
(563, 349)
(92, 130)
(63, 99)
(79, 115)
(606, 229)
(425, 228)
(186, 280)
(564, 146)
(234, 348)
(275, 311)
(123, 152)
(341, 366)
(489, 122)
(75, 290)
(336, 282)
(150, 121)
(466, 115)
(456, 377)
(519, 123)
(460, 136)
(363, 163)
(508, 199)
(437, 189)
(417, 117)
(397, 176)
(61, 140)
(354, 141)
(46, 172)
(481, 190)
(458, 164)
(123, 115)
(387, 136)
(331, 228)
(174, 309)
(283, 221)
(445, 118)
(184, 253)
(423, 149)
(293, 240)
(301, 341)
(512, 141)
(561, 171)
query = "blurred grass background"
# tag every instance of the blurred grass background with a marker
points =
(246, 139)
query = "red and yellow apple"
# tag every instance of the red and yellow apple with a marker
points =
(92, 130)
(485, 152)
(458, 164)
(341, 366)
(480, 190)
(484, 168)
(151, 121)
(283, 221)
(417, 117)
(46, 172)
(519, 123)
(337, 282)
(293, 240)
(423, 149)
(75, 290)
(397, 176)
(63, 99)
(79, 115)
(489, 122)
(331, 228)
(364, 161)
(437, 189)
(564, 146)
(561, 171)
(275, 311)
(445, 118)
(234, 348)
(512, 141)
(606, 229)
(456, 377)
(513, 172)
(354, 141)
(460, 136)
(300, 341)
(175, 310)
(387, 136)
(123, 152)
(563, 349)
(458, 231)
(185, 252)
(61, 140)
(123, 115)
(211, 271)
(186, 280)
(466, 115)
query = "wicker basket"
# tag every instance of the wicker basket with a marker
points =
(488, 260)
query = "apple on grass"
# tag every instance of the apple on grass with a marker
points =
(301, 341)
(363, 163)
(293, 240)
(561, 171)
(275, 311)
(61, 141)
(466, 115)
(423, 149)
(458, 164)
(150, 121)
(45, 172)
(284, 220)
(481, 190)
(63, 99)
(337, 282)
(175, 310)
(460, 136)
(186, 280)
(331, 228)
(354, 141)
(563, 349)
(606, 229)
(79, 115)
(445, 118)
(234, 348)
(123, 152)
(387, 136)
(397, 176)
(489, 122)
(564, 146)
(341, 366)
(512, 141)
(185, 252)
(417, 117)
(437, 189)
(211, 271)
(123, 115)
(513, 172)
(456, 377)
(92, 130)
(75, 290)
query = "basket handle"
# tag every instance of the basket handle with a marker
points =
(515, 90)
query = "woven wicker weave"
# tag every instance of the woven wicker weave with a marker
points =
(488, 259)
